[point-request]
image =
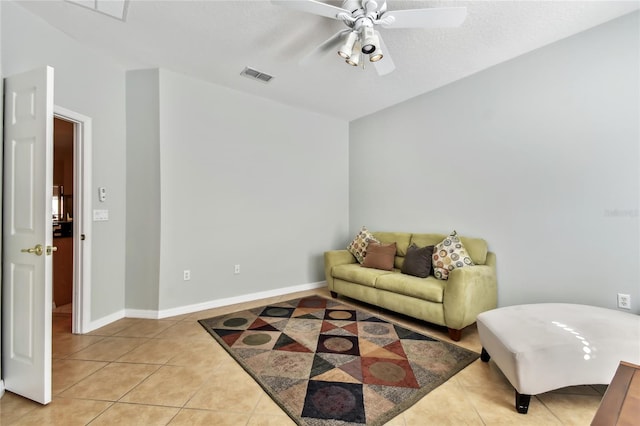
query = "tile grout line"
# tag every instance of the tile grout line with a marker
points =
(468, 391)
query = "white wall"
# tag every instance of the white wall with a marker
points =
(247, 181)
(89, 84)
(539, 156)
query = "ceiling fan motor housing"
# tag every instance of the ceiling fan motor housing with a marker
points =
(364, 13)
(365, 7)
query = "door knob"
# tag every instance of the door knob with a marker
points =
(37, 250)
(51, 249)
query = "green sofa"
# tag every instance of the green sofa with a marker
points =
(453, 303)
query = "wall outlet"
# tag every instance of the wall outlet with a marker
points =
(236, 269)
(624, 301)
(186, 275)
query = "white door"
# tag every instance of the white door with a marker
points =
(27, 234)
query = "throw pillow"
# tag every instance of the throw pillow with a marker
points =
(449, 255)
(380, 256)
(417, 261)
(358, 247)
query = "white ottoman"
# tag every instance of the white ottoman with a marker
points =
(546, 346)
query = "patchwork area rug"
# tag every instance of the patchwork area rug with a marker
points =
(326, 363)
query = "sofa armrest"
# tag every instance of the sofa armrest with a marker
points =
(470, 291)
(334, 258)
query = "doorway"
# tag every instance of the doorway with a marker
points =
(72, 218)
(62, 212)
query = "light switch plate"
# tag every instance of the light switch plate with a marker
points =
(100, 215)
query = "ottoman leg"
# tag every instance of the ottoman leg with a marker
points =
(522, 402)
(484, 355)
(334, 294)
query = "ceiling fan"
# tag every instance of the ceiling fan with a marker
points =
(360, 38)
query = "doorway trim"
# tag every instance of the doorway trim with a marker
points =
(81, 311)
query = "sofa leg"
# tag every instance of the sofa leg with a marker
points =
(484, 355)
(454, 334)
(333, 294)
(522, 402)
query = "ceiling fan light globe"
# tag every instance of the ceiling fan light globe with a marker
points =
(346, 50)
(354, 60)
(375, 57)
(370, 41)
(368, 49)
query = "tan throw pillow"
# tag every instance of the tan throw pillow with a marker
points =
(449, 255)
(358, 247)
(380, 256)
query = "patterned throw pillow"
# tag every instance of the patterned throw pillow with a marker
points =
(358, 247)
(449, 255)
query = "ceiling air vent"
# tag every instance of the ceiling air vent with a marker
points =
(255, 74)
(114, 8)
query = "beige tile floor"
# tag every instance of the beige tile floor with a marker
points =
(170, 371)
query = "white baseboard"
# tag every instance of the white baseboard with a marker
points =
(94, 325)
(181, 310)
(141, 313)
(1, 388)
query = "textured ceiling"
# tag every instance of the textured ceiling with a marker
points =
(215, 40)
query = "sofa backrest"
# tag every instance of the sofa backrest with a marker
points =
(402, 240)
(476, 247)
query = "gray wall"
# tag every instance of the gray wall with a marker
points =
(538, 155)
(241, 179)
(90, 84)
(217, 178)
(248, 181)
(143, 190)
(542, 153)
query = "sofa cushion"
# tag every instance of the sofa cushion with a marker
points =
(355, 273)
(449, 255)
(476, 247)
(428, 288)
(417, 262)
(358, 247)
(380, 256)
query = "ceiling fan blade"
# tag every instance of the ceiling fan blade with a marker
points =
(312, 6)
(329, 44)
(385, 65)
(426, 18)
